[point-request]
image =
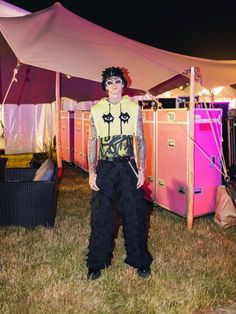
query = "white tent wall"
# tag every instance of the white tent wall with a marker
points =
(28, 127)
(7, 10)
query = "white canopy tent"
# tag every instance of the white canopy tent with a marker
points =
(10, 10)
(40, 127)
(58, 40)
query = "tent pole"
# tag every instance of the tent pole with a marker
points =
(191, 151)
(58, 123)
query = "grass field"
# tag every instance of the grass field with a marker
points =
(43, 270)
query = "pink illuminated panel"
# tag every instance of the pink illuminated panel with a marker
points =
(206, 154)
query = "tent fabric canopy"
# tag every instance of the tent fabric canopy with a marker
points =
(8, 10)
(37, 85)
(58, 40)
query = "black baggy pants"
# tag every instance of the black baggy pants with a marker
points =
(118, 184)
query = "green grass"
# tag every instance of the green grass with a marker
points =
(43, 270)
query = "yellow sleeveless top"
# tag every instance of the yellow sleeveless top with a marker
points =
(115, 125)
(119, 119)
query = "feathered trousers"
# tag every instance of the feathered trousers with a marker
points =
(118, 188)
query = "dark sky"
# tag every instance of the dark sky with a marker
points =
(198, 28)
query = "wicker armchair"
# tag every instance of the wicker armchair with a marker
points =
(27, 203)
(3, 162)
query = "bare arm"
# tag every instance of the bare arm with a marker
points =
(92, 152)
(92, 146)
(141, 141)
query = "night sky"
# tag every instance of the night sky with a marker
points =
(204, 29)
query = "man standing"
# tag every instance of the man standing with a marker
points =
(115, 178)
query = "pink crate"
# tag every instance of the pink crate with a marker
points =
(171, 160)
(167, 145)
(81, 128)
(85, 137)
(67, 135)
(78, 158)
(149, 133)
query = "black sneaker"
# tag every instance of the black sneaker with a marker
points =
(93, 274)
(144, 272)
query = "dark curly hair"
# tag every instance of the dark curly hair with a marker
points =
(112, 71)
